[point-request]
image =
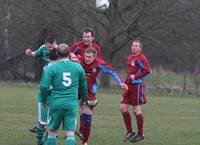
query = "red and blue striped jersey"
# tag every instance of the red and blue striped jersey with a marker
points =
(138, 66)
(92, 71)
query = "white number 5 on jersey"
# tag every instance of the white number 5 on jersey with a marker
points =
(67, 81)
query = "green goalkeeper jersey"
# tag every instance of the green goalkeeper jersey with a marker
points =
(39, 93)
(65, 77)
(43, 54)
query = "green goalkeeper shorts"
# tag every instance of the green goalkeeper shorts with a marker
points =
(67, 116)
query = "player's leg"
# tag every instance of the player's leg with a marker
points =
(42, 121)
(70, 139)
(55, 117)
(87, 123)
(86, 114)
(69, 124)
(79, 132)
(81, 122)
(140, 125)
(35, 128)
(51, 139)
(127, 121)
(125, 101)
(141, 99)
(140, 120)
(81, 119)
(39, 133)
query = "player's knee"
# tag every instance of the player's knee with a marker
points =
(69, 133)
(52, 132)
(137, 110)
(87, 120)
(123, 108)
(87, 110)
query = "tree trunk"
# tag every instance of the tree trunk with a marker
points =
(184, 83)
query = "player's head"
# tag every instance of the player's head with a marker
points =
(88, 36)
(53, 54)
(63, 50)
(50, 43)
(90, 55)
(136, 47)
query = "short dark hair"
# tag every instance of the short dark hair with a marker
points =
(53, 54)
(91, 50)
(88, 29)
(50, 40)
(138, 41)
(63, 50)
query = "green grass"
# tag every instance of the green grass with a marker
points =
(165, 78)
(168, 78)
(171, 83)
(169, 120)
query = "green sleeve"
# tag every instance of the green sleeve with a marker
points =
(45, 84)
(83, 86)
(39, 52)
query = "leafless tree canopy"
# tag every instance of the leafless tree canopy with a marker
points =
(169, 30)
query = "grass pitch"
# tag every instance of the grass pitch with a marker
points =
(169, 120)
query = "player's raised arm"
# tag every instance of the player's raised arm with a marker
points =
(37, 53)
(44, 49)
(105, 67)
(29, 52)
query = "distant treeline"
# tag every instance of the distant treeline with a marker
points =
(169, 30)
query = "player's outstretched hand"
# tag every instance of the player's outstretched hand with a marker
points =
(28, 52)
(124, 86)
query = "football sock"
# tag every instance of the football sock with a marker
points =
(140, 123)
(87, 121)
(70, 140)
(51, 140)
(81, 123)
(40, 132)
(127, 121)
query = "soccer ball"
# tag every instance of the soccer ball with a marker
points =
(102, 4)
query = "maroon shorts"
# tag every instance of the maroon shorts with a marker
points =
(134, 96)
(91, 100)
(91, 96)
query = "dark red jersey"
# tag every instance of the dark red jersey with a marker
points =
(92, 72)
(138, 66)
(78, 48)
